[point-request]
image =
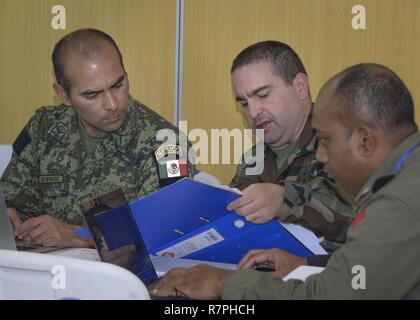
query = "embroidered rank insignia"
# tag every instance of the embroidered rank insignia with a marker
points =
(359, 218)
(317, 169)
(304, 175)
(171, 164)
(59, 130)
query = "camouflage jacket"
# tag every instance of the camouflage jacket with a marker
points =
(381, 257)
(310, 198)
(51, 171)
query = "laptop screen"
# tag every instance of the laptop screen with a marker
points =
(116, 235)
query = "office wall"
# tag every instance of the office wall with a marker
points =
(214, 32)
(319, 30)
(144, 30)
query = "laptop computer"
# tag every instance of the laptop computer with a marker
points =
(118, 239)
(7, 238)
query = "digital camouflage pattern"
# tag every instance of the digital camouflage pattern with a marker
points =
(51, 171)
(383, 239)
(310, 199)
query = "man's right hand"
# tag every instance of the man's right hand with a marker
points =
(49, 231)
(282, 262)
(14, 218)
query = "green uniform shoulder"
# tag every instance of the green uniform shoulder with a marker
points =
(400, 184)
(47, 119)
(47, 115)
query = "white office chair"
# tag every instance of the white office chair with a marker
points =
(25, 275)
(5, 156)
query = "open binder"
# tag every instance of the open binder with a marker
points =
(189, 219)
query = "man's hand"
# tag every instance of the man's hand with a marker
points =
(14, 218)
(260, 202)
(48, 231)
(282, 262)
(200, 282)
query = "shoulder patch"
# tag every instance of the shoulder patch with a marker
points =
(59, 130)
(21, 141)
(171, 164)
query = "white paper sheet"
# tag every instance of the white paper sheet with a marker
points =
(302, 272)
(307, 237)
(210, 180)
(164, 264)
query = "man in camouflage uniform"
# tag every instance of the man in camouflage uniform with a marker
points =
(98, 140)
(364, 119)
(270, 83)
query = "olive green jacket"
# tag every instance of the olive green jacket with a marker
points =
(381, 258)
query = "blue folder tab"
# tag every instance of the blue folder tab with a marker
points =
(179, 209)
(191, 218)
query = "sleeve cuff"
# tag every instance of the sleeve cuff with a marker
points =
(318, 260)
(247, 284)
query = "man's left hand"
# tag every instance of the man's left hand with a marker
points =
(282, 262)
(260, 202)
(200, 282)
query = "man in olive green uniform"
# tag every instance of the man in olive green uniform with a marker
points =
(364, 119)
(98, 140)
(271, 85)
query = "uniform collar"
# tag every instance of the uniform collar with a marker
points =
(112, 142)
(385, 173)
(118, 139)
(305, 143)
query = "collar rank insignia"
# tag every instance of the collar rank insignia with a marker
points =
(59, 130)
(359, 218)
(171, 164)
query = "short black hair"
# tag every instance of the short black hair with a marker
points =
(83, 41)
(373, 95)
(283, 59)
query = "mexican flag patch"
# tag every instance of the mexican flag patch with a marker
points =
(173, 168)
(171, 164)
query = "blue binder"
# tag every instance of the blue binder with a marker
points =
(187, 208)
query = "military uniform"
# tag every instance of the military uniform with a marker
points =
(53, 172)
(310, 198)
(383, 239)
